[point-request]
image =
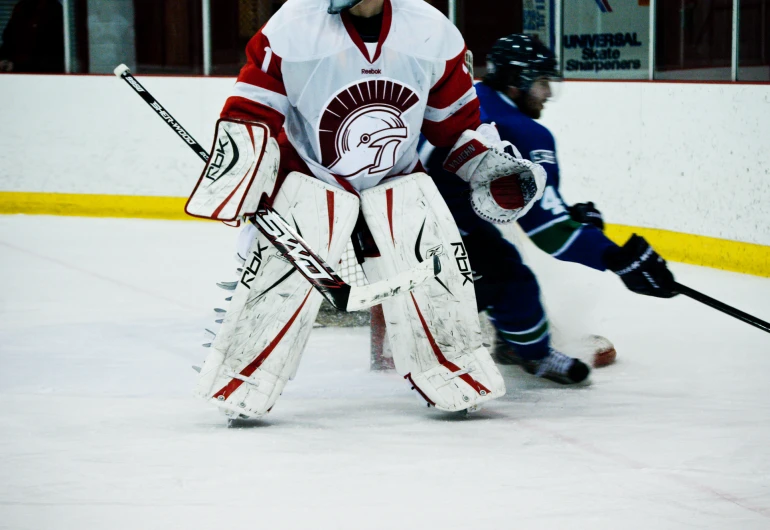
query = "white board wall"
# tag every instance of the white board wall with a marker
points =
(686, 157)
(692, 158)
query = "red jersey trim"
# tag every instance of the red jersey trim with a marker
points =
(238, 108)
(446, 133)
(452, 86)
(387, 18)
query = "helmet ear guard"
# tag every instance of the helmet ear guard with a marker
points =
(338, 6)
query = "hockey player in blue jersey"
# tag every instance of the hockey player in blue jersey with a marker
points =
(512, 95)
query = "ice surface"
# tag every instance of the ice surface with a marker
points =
(102, 319)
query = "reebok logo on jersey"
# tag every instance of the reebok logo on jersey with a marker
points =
(362, 127)
(371, 71)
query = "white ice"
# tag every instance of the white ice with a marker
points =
(101, 320)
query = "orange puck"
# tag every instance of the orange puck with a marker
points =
(604, 351)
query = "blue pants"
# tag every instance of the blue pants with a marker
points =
(506, 288)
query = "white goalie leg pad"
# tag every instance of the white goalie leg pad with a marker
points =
(258, 348)
(434, 331)
(243, 165)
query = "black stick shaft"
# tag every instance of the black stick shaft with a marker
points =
(124, 73)
(720, 306)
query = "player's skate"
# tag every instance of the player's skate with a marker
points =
(555, 366)
(558, 367)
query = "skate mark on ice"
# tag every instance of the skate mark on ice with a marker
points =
(70, 266)
(629, 462)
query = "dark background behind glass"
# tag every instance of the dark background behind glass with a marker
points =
(694, 37)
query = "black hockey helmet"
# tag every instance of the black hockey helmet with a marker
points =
(338, 6)
(518, 60)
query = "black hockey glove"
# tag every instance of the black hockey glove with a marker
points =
(586, 213)
(641, 268)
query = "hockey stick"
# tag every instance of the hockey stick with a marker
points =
(290, 244)
(341, 295)
(124, 73)
(720, 306)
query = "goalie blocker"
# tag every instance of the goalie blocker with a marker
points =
(242, 167)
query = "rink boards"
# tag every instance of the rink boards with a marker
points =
(672, 161)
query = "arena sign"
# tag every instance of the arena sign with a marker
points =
(539, 20)
(606, 39)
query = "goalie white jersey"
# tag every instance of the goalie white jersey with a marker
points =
(353, 113)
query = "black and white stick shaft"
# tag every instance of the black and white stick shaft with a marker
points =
(340, 294)
(320, 275)
(124, 73)
(721, 306)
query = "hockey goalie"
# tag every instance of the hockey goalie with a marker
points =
(323, 123)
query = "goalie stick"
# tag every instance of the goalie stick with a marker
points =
(341, 295)
(124, 73)
(290, 244)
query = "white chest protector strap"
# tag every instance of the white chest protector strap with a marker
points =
(243, 165)
(434, 330)
(258, 348)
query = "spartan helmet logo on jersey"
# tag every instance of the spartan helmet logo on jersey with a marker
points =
(362, 128)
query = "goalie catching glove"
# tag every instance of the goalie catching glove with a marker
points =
(504, 186)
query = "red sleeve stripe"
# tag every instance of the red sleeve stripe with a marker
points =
(449, 68)
(253, 75)
(446, 133)
(260, 54)
(259, 94)
(439, 114)
(263, 96)
(453, 84)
